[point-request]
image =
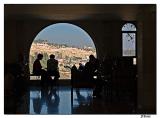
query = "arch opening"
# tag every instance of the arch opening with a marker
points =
(69, 43)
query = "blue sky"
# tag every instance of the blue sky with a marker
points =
(65, 33)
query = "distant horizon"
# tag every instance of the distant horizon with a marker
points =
(61, 44)
(66, 34)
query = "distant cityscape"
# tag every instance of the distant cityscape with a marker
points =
(66, 55)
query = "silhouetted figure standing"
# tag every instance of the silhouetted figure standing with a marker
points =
(81, 73)
(81, 67)
(91, 68)
(74, 73)
(52, 67)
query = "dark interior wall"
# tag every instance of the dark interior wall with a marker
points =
(105, 34)
(19, 35)
(147, 60)
(10, 42)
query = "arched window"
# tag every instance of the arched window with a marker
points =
(129, 40)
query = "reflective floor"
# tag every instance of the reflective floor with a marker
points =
(64, 100)
(50, 101)
(59, 100)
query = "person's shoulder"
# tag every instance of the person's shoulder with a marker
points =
(49, 60)
(56, 60)
(36, 61)
(87, 63)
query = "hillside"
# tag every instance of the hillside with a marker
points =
(67, 56)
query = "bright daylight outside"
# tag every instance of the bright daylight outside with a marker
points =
(70, 44)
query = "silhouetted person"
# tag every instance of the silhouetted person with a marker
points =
(52, 67)
(81, 67)
(37, 68)
(91, 68)
(38, 71)
(74, 72)
(81, 73)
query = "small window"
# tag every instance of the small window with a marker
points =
(129, 39)
(128, 27)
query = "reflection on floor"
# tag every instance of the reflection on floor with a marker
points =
(64, 100)
(82, 97)
(50, 100)
(58, 100)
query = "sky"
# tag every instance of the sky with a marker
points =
(65, 33)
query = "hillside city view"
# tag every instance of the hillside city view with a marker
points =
(66, 55)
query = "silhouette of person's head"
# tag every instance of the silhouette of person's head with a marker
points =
(80, 64)
(39, 56)
(52, 56)
(92, 58)
(74, 67)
